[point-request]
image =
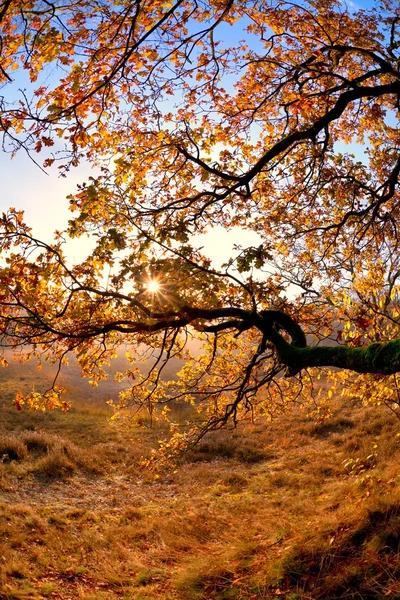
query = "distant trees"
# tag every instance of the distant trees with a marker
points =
(276, 117)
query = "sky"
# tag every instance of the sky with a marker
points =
(43, 198)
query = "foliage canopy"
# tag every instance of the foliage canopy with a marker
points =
(277, 117)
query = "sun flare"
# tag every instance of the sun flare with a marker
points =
(153, 286)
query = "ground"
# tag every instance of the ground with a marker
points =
(291, 509)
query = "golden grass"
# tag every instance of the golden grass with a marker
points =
(11, 448)
(292, 509)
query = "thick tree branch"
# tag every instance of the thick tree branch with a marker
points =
(380, 358)
(312, 132)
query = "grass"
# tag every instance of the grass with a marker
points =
(11, 448)
(44, 455)
(293, 509)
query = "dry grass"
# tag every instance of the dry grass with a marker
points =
(292, 509)
(45, 455)
(11, 448)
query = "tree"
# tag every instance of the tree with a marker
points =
(277, 117)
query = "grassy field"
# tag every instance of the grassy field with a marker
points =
(292, 509)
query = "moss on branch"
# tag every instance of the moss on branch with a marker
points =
(376, 358)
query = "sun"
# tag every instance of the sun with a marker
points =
(153, 286)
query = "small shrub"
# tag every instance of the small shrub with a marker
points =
(333, 425)
(11, 448)
(56, 465)
(131, 514)
(250, 455)
(215, 446)
(37, 442)
(236, 481)
(62, 458)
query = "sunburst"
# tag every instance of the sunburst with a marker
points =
(153, 286)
